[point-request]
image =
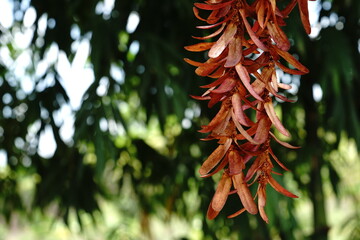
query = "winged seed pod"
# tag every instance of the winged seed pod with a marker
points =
(248, 47)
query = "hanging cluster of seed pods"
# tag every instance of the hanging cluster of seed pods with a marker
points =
(249, 47)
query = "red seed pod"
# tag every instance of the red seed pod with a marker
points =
(246, 48)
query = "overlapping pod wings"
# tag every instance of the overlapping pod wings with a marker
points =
(244, 50)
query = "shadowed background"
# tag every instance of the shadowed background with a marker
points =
(98, 134)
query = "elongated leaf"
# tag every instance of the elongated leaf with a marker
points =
(219, 72)
(239, 112)
(211, 213)
(215, 157)
(236, 164)
(285, 144)
(251, 131)
(214, 34)
(235, 52)
(216, 82)
(200, 97)
(289, 70)
(274, 83)
(280, 188)
(206, 6)
(249, 49)
(226, 86)
(286, 11)
(251, 33)
(218, 14)
(199, 47)
(215, 24)
(222, 128)
(269, 108)
(284, 86)
(262, 132)
(242, 130)
(219, 167)
(304, 15)
(245, 79)
(244, 193)
(273, 8)
(277, 160)
(261, 10)
(278, 36)
(253, 168)
(237, 213)
(207, 68)
(261, 203)
(258, 86)
(219, 117)
(223, 41)
(193, 63)
(196, 14)
(222, 192)
(291, 59)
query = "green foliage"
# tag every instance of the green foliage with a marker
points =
(136, 143)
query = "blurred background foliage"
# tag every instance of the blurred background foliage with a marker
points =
(98, 134)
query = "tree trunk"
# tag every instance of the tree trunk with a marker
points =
(313, 151)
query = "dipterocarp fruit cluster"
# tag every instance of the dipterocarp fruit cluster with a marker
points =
(245, 47)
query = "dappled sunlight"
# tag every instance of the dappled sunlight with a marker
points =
(99, 135)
